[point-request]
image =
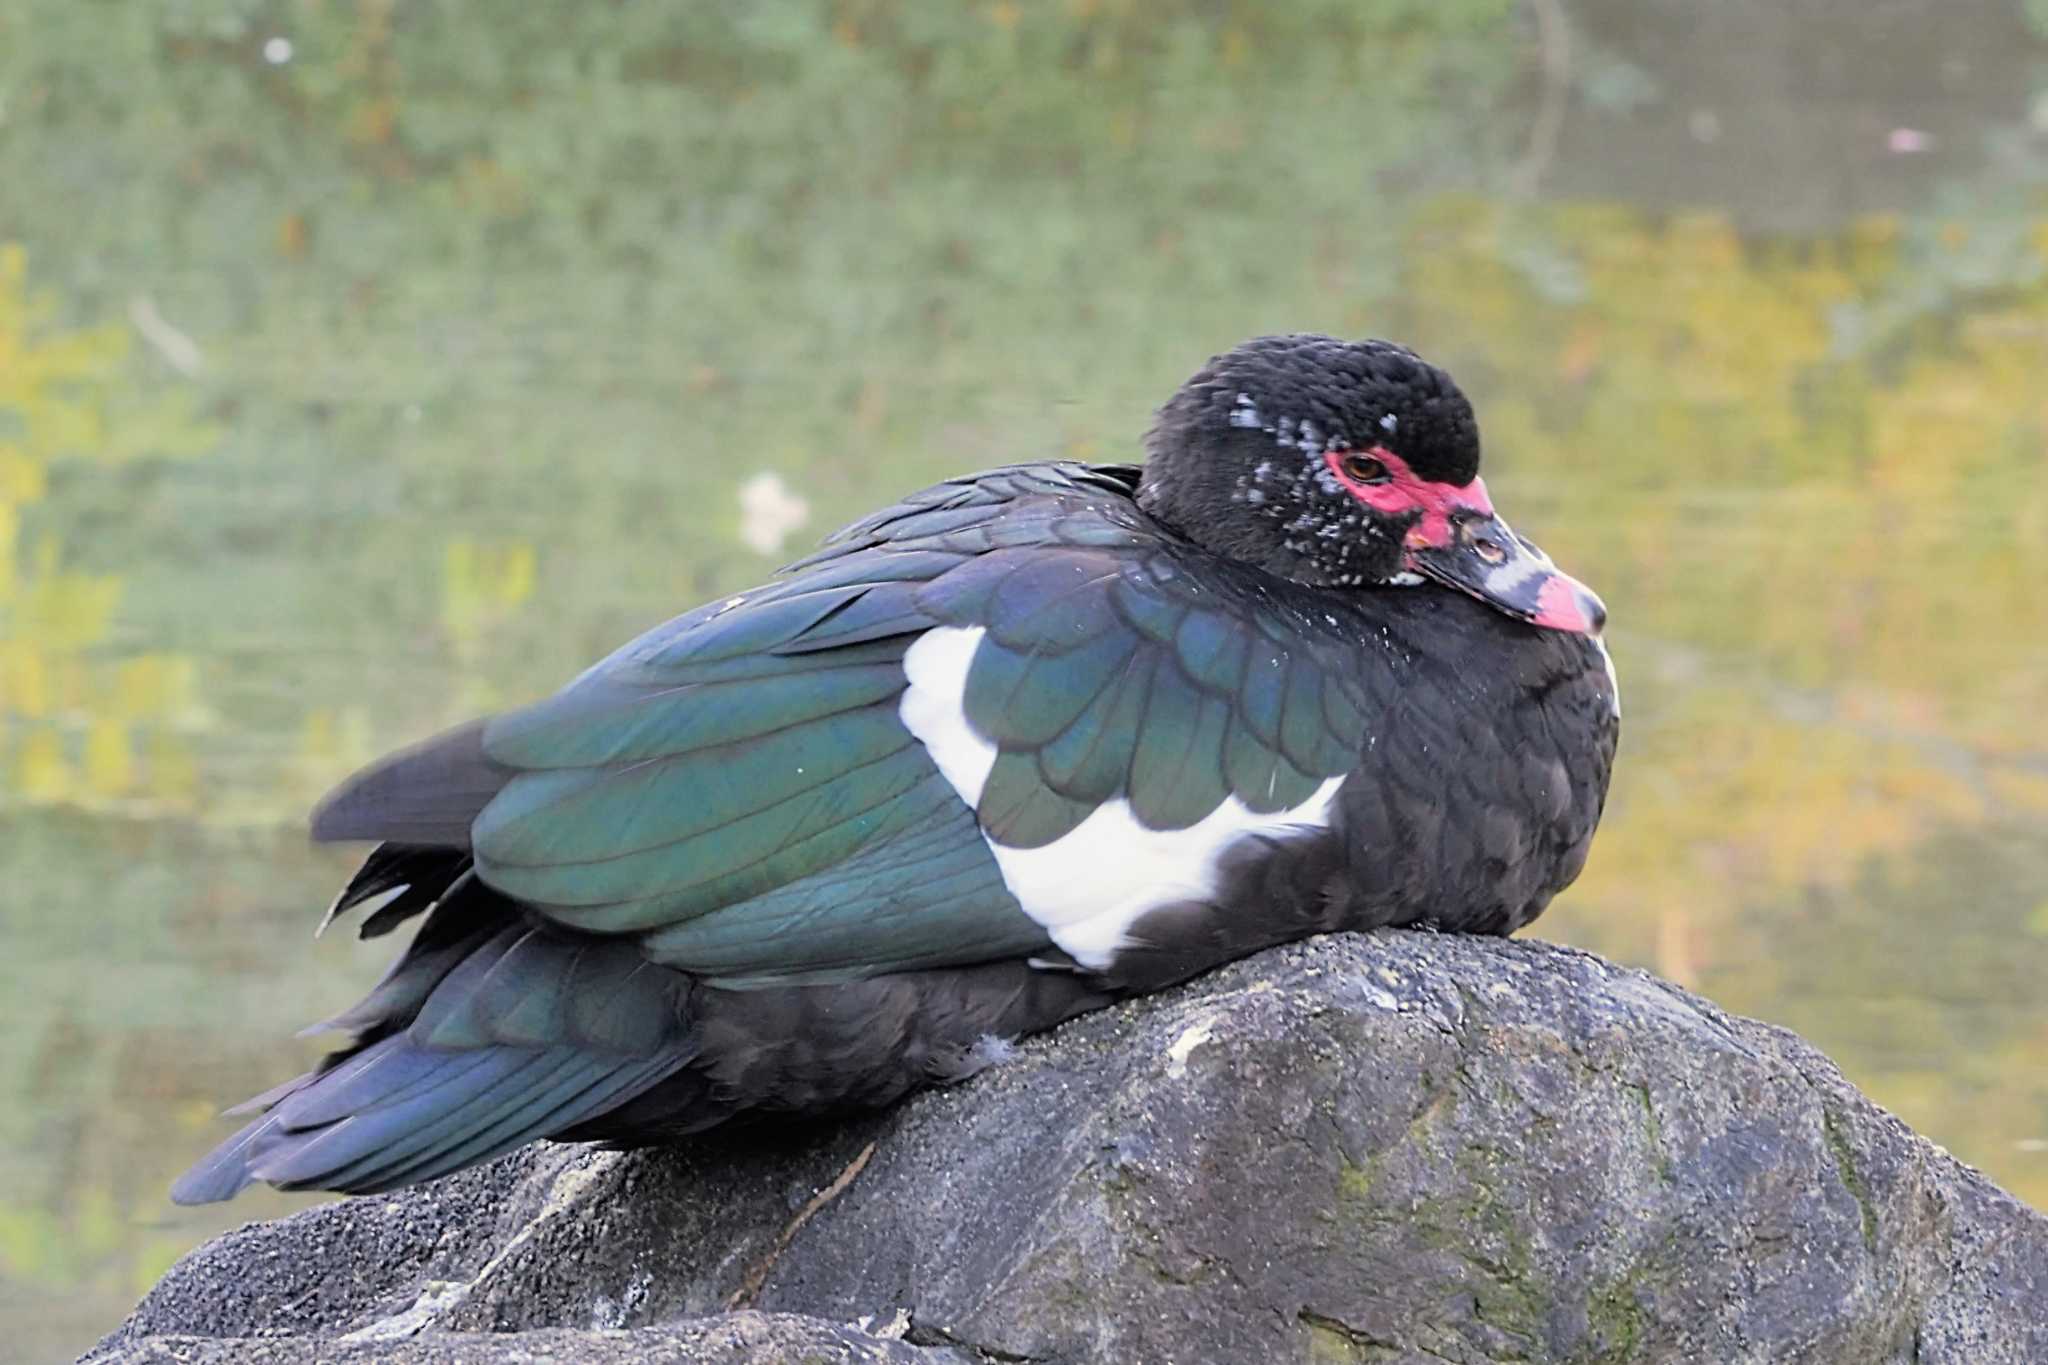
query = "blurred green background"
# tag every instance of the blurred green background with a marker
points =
(365, 364)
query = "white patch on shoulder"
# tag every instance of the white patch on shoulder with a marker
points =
(1088, 888)
(931, 708)
(1405, 579)
(1091, 886)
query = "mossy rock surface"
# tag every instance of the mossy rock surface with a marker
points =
(1389, 1147)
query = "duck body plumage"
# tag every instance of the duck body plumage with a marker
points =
(1007, 751)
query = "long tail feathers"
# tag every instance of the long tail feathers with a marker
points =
(420, 875)
(397, 1113)
(486, 1034)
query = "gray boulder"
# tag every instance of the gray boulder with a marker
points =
(1394, 1147)
(742, 1338)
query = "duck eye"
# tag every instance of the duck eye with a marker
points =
(1364, 469)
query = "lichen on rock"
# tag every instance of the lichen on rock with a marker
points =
(1384, 1147)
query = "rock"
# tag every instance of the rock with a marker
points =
(728, 1339)
(1393, 1147)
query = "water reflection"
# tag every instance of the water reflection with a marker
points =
(403, 373)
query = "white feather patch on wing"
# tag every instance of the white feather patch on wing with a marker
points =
(933, 711)
(1089, 887)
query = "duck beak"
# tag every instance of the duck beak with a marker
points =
(1479, 554)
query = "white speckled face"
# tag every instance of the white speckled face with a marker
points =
(1247, 457)
(1090, 887)
(1295, 488)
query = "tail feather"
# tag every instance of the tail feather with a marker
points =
(223, 1172)
(420, 875)
(461, 923)
(439, 1113)
(588, 1088)
(485, 1035)
(481, 1089)
(271, 1098)
(382, 1078)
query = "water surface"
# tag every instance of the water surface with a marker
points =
(363, 367)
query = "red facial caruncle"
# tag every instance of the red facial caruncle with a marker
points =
(1458, 540)
(1402, 490)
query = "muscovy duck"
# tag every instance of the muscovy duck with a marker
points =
(1021, 745)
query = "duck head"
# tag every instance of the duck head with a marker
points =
(1346, 464)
